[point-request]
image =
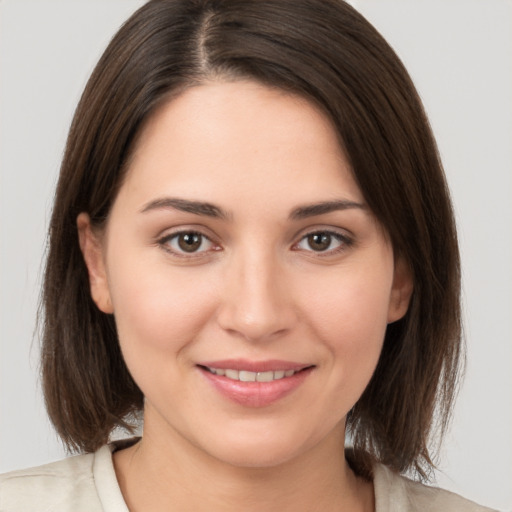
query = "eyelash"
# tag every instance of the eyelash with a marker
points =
(344, 243)
(164, 242)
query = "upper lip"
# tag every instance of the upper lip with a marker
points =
(255, 366)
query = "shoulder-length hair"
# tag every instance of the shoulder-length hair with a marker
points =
(329, 54)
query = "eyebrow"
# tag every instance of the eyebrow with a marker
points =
(311, 210)
(186, 205)
(210, 210)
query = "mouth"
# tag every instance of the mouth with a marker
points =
(255, 384)
(248, 376)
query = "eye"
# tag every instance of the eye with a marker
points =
(323, 241)
(187, 242)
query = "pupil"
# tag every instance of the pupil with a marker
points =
(319, 241)
(189, 242)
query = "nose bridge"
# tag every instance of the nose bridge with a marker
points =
(255, 304)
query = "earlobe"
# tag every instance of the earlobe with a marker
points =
(401, 291)
(92, 251)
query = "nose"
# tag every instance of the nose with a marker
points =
(256, 300)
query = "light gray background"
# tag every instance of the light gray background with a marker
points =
(459, 52)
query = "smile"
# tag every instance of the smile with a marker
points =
(247, 376)
(255, 384)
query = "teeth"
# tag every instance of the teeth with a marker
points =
(232, 374)
(265, 376)
(245, 376)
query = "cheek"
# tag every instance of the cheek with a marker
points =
(349, 315)
(158, 309)
(356, 302)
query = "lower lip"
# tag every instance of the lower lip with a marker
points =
(256, 394)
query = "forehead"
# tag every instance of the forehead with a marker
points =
(225, 139)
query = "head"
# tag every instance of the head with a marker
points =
(330, 57)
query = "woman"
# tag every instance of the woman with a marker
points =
(252, 243)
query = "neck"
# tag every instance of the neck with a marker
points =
(175, 475)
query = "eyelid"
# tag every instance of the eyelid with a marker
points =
(346, 241)
(163, 239)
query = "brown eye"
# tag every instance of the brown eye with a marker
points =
(319, 241)
(323, 241)
(187, 242)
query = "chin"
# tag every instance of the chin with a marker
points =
(256, 457)
(260, 450)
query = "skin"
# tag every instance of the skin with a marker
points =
(256, 289)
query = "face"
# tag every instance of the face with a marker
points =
(251, 285)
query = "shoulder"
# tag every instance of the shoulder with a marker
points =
(396, 493)
(58, 487)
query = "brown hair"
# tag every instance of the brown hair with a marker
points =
(328, 53)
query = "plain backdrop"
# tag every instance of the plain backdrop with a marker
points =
(459, 53)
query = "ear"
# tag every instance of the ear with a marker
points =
(401, 290)
(93, 252)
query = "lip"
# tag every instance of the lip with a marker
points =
(255, 366)
(255, 394)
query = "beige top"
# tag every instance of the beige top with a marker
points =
(87, 483)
